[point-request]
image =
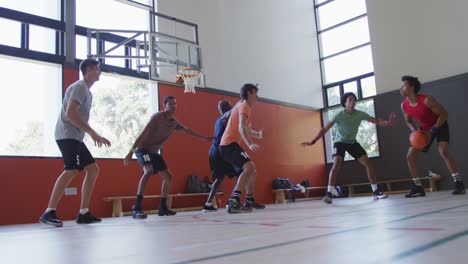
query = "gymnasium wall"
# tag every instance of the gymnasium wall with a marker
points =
(27, 182)
(270, 42)
(394, 144)
(424, 38)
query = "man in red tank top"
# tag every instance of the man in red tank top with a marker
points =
(432, 117)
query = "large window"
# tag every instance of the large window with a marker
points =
(121, 108)
(44, 8)
(367, 135)
(29, 106)
(347, 65)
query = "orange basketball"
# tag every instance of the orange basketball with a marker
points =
(419, 139)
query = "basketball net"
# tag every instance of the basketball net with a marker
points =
(190, 76)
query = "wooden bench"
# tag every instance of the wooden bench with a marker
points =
(432, 185)
(117, 202)
(281, 198)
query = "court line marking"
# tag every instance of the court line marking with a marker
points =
(239, 252)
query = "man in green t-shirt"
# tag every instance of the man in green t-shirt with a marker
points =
(347, 123)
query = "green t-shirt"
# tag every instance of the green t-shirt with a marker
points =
(347, 125)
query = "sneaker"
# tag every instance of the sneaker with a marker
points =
(458, 188)
(379, 195)
(163, 212)
(234, 207)
(137, 212)
(416, 191)
(328, 198)
(210, 208)
(253, 204)
(50, 218)
(87, 218)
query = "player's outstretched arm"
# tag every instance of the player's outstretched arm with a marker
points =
(192, 133)
(319, 135)
(384, 123)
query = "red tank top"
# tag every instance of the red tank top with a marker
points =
(426, 118)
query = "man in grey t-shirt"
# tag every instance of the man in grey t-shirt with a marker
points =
(347, 122)
(146, 148)
(71, 127)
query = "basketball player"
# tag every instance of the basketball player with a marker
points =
(219, 167)
(146, 148)
(72, 124)
(347, 122)
(238, 129)
(432, 117)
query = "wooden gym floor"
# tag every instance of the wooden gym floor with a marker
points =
(433, 229)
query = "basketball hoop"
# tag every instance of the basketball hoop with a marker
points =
(190, 77)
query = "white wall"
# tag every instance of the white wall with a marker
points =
(270, 42)
(204, 13)
(424, 38)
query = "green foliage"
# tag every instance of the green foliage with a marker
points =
(119, 113)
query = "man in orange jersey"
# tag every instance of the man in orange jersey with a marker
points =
(238, 129)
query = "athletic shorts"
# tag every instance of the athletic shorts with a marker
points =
(145, 158)
(235, 156)
(354, 149)
(219, 167)
(75, 154)
(443, 135)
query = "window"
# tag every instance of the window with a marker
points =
(41, 39)
(347, 65)
(367, 135)
(29, 107)
(11, 33)
(121, 108)
(44, 8)
(89, 13)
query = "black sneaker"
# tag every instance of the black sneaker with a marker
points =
(328, 198)
(379, 195)
(210, 208)
(458, 188)
(416, 191)
(163, 212)
(253, 204)
(50, 218)
(87, 218)
(137, 212)
(235, 207)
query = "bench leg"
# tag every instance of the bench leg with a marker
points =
(117, 208)
(280, 198)
(351, 191)
(306, 194)
(169, 202)
(389, 186)
(214, 202)
(432, 185)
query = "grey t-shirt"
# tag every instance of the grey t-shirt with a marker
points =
(79, 92)
(160, 128)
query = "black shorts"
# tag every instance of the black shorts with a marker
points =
(353, 149)
(235, 156)
(443, 135)
(219, 167)
(156, 160)
(75, 154)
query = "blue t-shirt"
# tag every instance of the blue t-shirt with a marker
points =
(220, 126)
